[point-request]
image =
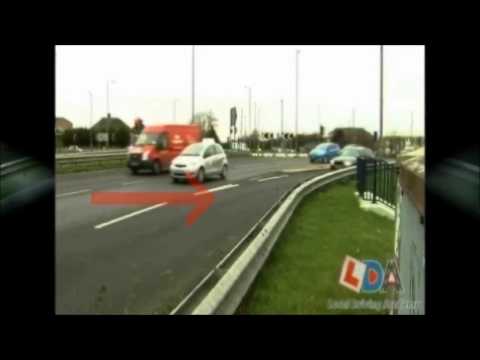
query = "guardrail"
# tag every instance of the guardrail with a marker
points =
(284, 155)
(222, 289)
(90, 154)
(64, 162)
(15, 165)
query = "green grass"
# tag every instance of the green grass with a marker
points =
(302, 273)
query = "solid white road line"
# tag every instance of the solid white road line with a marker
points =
(127, 216)
(73, 193)
(272, 178)
(224, 187)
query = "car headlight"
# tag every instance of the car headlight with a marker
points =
(145, 156)
(348, 163)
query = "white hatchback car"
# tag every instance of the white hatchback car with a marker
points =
(201, 160)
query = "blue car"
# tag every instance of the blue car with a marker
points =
(324, 152)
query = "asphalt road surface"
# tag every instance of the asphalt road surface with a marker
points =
(116, 259)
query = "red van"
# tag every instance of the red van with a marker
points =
(158, 145)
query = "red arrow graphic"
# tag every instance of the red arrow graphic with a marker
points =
(201, 202)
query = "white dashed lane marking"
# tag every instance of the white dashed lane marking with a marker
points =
(128, 216)
(73, 193)
(224, 187)
(272, 178)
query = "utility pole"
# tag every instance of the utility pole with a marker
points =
(193, 82)
(254, 116)
(281, 117)
(353, 117)
(297, 52)
(249, 109)
(381, 92)
(91, 119)
(108, 110)
(241, 134)
(281, 125)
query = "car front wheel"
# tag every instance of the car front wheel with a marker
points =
(201, 175)
(223, 174)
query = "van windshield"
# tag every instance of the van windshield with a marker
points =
(193, 150)
(146, 139)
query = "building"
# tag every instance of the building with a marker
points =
(62, 124)
(351, 135)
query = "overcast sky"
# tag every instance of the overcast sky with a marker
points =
(333, 80)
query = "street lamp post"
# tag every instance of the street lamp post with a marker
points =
(297, 53)
(193, 82)
(108, 110)
(249, 108)
(381, 92)
(91, 119)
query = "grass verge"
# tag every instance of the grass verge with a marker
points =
(301, 275)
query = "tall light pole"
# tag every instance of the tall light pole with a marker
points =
(249, 108)
(108, 110)
(297, 53)
(281, 117)
(241, 124)
(254, 116)
(281, 125)
(91, 118)
(193, 82)
(381, 92)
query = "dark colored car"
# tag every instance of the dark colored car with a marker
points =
(349, 155)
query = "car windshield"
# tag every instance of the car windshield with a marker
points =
(355, 152)
(193, 150)
(322, 146)
(146, 139)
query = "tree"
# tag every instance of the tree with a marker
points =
(207, 122)
(138, 126)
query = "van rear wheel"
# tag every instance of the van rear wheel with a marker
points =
(157, 168)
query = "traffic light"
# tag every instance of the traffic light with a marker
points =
(233, 116)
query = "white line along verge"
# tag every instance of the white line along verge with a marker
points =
(73, 193)
(220, 188)
(272, 178)
(127, 216)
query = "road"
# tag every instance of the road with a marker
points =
(144, 259)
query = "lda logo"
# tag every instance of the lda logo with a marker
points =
(368, 276)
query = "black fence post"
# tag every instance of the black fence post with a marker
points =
(361, 177)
